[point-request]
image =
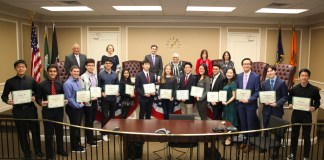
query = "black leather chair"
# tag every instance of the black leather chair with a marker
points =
(62, 74)
(286, 72)
(260, 68)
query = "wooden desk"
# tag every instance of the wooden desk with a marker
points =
(181, 131)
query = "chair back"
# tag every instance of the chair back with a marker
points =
(181, 117)
(62, 74)
(278, 122)
(217, 61)
(133, 66)
(260, 68)
(98, 67)
(286, 72)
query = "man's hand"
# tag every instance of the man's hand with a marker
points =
(311, 109)
(290, 106)
(10, 102)
(44, 103)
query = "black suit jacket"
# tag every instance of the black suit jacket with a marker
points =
(70, 60)
(158, 67)
(192, 79)
(139, 81)
(218, 85)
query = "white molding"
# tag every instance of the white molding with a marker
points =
(309, 44)
(126, 39)
(318, 82)
(17, 32)
(257, 28)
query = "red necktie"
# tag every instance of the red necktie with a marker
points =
(186, 80)
(53, 89)
(147, 78)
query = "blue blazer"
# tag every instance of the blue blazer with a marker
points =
(139, 81)
(253, 85)
(281, 96)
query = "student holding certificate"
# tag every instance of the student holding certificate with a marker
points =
(51, 86)
(168, 82)
(145, 99)
(303, 90)
(186, 81)
(89, 79)
(24, 83)
(216, 85)
(126, 98)
(108, 103)
(203, 81)
(74, 109)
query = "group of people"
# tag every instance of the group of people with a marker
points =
(176, 75)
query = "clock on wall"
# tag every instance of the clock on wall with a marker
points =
(173, 43)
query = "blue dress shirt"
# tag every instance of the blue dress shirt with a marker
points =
(70, 87)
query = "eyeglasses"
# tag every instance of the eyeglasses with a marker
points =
(246, 64)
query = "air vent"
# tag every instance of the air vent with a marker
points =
(72, 3)
(277, 5)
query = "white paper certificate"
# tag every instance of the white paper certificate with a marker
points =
(196, 91)
(55, 101)
(95, 92)
(149, 88)
(301, 103)
(165, 93)
(83, 96)
(129, 89)
(111, 89)
(182, 94)
(243, 94)
(267, 96)
(212, 96)
(22, 96)
(222, 96)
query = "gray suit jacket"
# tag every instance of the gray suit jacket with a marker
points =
(70, 60)
(158, 67)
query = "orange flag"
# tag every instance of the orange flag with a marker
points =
(293, 49)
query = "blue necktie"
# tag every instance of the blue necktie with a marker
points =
(272, 84)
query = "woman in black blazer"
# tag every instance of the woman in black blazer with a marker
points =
(126, 100)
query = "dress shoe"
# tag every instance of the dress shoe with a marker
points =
(92, 143)
(78, 149)
(39, 153)
(243, 146)
(62, 153)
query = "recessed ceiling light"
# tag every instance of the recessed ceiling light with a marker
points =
(210, 9)
(67, 8)
(283, 11)
(138, 8)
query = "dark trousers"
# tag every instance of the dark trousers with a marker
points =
(54, 114)
(75, 117)
(124, 111)
(266, 113)
(24, 126)
(249, 120)
(217, 111)
(202, 109)
(301, 117)
(89, 117)
(168, 107)
(146, 109)
(107, 110)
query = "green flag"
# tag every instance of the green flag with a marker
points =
(46, 54)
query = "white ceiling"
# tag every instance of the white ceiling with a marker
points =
(245, 8)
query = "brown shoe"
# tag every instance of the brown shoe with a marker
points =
(247, 148)
(243, 146)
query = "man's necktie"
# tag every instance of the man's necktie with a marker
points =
(53, 91)
(272, 84)
(147, 78)
(186, 80)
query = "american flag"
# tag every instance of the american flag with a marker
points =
(36, 58)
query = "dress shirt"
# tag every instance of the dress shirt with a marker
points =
(214, 80)
(70, 87)
(246, 79)
(77, 57)
(274, 82)
(153, 59)
(309, 91)
(44, 89)
(89, 80)
(108, 78)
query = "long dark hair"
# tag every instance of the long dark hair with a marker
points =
(205, 74)
(123, 78)
(229, 81)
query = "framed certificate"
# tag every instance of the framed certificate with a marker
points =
(95, 92)
(212, 96)
(267, 96)
(129, 89)
(83, 96)
(301, 103)
(111, 89)
(222, 96)
(165, 93)
(22, 96)
(196, 91)
(243, 94)
(182, 94)
(55, 101)
(149, 88)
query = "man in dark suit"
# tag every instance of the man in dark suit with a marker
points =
(75, 58)
(216, 85)
(248, 80)
(156, 62)
(186, 81)
(145, 99)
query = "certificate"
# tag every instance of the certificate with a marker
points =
(165, 93)
(95, 92)
(267, 96)
(222, 96)
(55, 101)
(243, 94)
(182, 94)
(301, 103)
(149, 88)
(111, 89)
(22, 96)
(129, 89)
(212, 96)
(196, 91)
(83, 96)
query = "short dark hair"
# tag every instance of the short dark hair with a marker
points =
(154, 46)
(20, 61)
(304, 70)
(109, 46)
(146, 61)
(74, 67)
(188, 63)
(51, 66)
(217, 65)
(107, 59)
(229, 55)
(202, 52)
(272, 67)
(90, 60)
(246, 59)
